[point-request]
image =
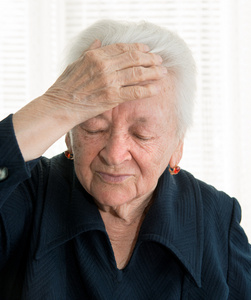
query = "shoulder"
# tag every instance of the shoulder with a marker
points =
(57, 166)
(217, 206)
(210, 196)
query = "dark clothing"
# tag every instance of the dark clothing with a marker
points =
(54, 246)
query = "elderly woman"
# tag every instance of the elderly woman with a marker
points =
(115, 218)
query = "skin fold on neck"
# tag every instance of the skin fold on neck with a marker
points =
(122, 224)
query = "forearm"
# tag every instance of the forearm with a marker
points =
(98, 81)
(11, 160)
(38, 125)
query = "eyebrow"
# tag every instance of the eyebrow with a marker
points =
(141, 120)
(102, 117)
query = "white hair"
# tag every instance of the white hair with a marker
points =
(176, 55)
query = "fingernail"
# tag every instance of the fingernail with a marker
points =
(160, 59)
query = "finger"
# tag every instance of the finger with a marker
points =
(96, 44)
(129, 93)
(140, 74)
(136, 58)
(127, 60)
(116, 49)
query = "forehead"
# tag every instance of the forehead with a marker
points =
(159, 107)
(154, 112)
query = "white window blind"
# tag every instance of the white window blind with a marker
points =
(13, 55)
(217, 149)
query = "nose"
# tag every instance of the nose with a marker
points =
(116, 150)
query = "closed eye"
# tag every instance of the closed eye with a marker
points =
(94, 131)
(142, 138)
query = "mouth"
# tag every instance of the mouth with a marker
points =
(113, 178)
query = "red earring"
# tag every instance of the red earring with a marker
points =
(175, 170)
(68, 155)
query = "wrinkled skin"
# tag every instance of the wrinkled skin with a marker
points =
(104, 77)
(120, 154)
(101, 79)
(119, 157)
(116, 102)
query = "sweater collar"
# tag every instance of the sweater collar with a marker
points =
(174, 220)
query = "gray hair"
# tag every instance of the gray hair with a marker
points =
(176, 55)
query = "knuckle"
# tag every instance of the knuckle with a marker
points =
(94, 58)
(137, 92)
(134, 56)
(90, 55)
(139, 46)
(101, 65)
(139, 72)
(122, 47)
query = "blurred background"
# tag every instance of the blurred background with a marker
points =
(34, 33)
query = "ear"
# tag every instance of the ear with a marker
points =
(177, 155)
(68, 142)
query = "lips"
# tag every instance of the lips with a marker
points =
(113, 178)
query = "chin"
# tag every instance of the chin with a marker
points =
(111, 197)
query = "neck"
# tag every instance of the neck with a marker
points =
(126, 214)
(122, 225)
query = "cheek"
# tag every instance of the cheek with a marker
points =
(85, 151)
(156, 156)
(84, 147)
(152, 163)
(157, 161)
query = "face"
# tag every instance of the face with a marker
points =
(120, 154)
